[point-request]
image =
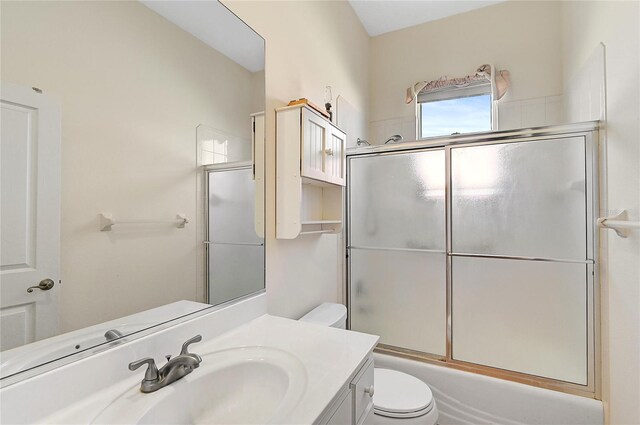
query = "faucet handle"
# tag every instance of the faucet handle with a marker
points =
(185, 346)
(152, 371)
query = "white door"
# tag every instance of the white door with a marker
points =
(30, 215)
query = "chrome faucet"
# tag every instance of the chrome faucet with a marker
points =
(174, 369)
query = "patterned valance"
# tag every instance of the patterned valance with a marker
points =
(500, 83)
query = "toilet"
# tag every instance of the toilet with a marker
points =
(399, 398)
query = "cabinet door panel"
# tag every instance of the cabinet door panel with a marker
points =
(397, 200)
(344, 413)
(520, 199)
(334, 157)
(313, 145)
(524, 316)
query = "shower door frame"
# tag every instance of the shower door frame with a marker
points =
(589, 131)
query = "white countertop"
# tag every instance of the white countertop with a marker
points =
(330, 357)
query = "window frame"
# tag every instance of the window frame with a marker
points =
(454, 92)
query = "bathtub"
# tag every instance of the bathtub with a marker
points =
(468, 398)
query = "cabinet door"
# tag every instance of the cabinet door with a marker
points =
(363, 389)
(335, 156)
(343, 414)
(314, 136)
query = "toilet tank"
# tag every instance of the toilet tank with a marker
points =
(327, 314)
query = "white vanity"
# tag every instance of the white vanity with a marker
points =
(255, 368)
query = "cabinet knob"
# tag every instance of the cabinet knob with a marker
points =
(328, 151)
(369, 390)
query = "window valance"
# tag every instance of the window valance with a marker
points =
(500, 82)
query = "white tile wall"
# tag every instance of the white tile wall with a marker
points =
(536, 112)
(585, 91)
(380, 131)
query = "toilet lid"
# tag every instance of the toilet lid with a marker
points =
(401, 394)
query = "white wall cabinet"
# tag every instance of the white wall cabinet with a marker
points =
(310, 173)
(354, 404)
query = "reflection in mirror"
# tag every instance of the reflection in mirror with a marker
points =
(101, 105)
(235, 252)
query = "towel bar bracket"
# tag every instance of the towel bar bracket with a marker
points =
(619, 223)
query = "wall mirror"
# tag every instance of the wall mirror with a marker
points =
(132, 172)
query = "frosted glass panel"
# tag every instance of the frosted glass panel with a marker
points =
(234, 271)
(525, 316)
(397, 200)
(232, 206)
(520, 199)
(400, 296)
(236, 253)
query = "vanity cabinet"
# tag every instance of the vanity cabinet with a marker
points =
(354, 405)
(310, 173)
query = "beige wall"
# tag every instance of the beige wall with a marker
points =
(521, 36)
(310, 45)
(616, 24)
(132, 87)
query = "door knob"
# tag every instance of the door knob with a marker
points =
(328, 151)
(45, 285)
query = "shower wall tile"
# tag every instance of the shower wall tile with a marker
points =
(509, 115)
(380, 131)
(535, 112)
(553, 110)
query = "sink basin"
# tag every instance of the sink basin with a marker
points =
(245, 385)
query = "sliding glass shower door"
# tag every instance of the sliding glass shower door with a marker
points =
(480, 254)
(397, 249)
(519, 257)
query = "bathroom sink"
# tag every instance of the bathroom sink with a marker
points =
(244, 385)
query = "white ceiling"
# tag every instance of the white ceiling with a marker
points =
(381, 16)
(215, 25)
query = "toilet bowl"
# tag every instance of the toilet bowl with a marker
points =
(399, 398)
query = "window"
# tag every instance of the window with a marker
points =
(455, 110)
